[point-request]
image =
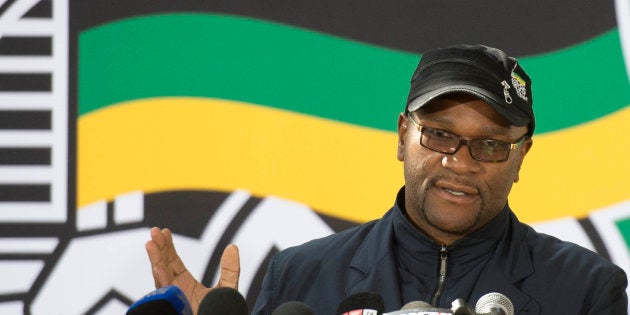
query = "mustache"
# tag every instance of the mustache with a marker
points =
(454, 180)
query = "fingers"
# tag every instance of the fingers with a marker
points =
(165, 262)
(169, 269)
(156, 249)
(230, 267)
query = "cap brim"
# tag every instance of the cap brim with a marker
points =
(515, 117)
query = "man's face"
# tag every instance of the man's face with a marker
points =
(450, 196)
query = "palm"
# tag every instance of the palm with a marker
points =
(169, 269)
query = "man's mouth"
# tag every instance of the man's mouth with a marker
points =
(455, 192)
(457, 188)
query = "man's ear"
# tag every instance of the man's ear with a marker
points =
(525, 147)
(403, 124)
(527, 144)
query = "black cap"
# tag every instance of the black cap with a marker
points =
(482, 71)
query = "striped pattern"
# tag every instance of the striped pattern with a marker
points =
(34, 112)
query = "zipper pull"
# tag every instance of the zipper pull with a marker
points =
(506, 93)
(443, 262)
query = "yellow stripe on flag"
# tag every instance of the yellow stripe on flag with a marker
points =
(343, 170)
(193, 143)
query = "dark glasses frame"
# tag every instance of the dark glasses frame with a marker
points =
(475, 146)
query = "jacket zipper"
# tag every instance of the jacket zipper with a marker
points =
(442, 276)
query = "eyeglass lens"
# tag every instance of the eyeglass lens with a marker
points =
(486, 150)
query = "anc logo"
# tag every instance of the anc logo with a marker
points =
(520, 85)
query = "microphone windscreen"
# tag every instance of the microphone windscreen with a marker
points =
(362, 301)
(416, 305)
(421, 308)
(168, 300)
(494, 303)
(223, 301)
(293, 308)
(157, 307)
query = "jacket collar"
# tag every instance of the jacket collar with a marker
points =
(374, 264)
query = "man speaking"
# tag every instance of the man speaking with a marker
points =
(462, 137)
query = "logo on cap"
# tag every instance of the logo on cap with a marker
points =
(520, 86)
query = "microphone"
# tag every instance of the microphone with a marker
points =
(168, 300)
(460, 307)
(415, 305)
(420, 308)
(364, 303)
(494, 304)
(293, 308)
(223, 301)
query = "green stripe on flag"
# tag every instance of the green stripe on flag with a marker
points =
(244, 60)
(259, 62)
(580, 83)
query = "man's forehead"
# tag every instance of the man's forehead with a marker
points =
(447, 101)
(436, 110)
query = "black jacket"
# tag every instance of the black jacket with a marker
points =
(538, 273)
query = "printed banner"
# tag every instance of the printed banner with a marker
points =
(267, 125)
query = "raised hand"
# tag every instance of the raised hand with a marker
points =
(168, 268)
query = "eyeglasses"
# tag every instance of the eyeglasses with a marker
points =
(484, 150)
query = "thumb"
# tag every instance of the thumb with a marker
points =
(230, 267)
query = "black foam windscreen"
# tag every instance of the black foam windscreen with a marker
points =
(223, 301)
(156, 307)
(293, 308)
(363, 300)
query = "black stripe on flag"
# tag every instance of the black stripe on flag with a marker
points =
(517, 27)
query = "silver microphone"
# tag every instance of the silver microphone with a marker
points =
(415, 304)
(494, 303)
(420, 308)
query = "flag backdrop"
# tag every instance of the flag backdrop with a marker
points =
(266, 124)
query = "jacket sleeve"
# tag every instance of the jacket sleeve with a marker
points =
(612, 297)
